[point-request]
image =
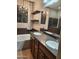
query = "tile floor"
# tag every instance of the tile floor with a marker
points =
(25, 54)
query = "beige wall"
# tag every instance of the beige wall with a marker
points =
(59, 16)
(38, 6)
(20, 2)
(59, 13)
(53, 13)
(50, 13)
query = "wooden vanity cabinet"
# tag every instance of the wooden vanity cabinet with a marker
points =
(39, 51)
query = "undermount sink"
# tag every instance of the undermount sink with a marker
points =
(52, 44)
(37, 33)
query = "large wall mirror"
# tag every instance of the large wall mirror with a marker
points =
(22, 14)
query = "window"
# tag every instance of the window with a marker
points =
(52, 22)
(22, 14)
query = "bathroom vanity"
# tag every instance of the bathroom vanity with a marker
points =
(39, 47)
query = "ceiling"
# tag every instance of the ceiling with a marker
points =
(56, 5)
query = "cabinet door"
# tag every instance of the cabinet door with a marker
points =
(32, 46)
(40, 55)
(46, 57)
(36, 49)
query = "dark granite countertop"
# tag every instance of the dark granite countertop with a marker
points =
(43, 38)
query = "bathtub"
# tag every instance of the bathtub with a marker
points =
(21, 39)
